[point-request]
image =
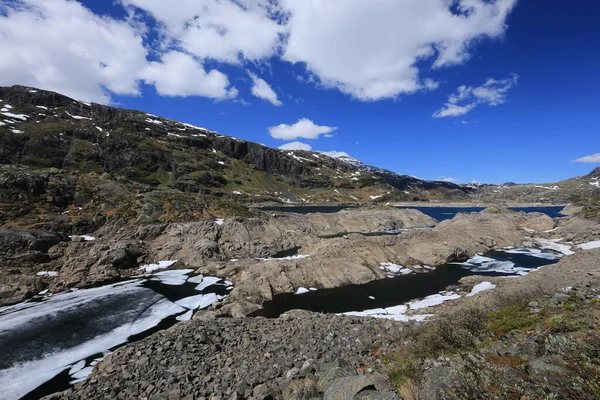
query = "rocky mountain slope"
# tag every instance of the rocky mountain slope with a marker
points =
(574, 190)
(58, 154)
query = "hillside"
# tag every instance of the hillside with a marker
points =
(573, 190)
(63, 162)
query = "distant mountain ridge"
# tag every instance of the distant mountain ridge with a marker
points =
(133, 164)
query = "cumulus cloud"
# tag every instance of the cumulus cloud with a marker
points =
(466, 98)
(261, 89)
(304, 128)
(62, 46)
(594, 158)
(295, 146)
(222, 30)
(379, 61)
(178, 74)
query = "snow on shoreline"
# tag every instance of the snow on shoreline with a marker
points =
(394, 268)
(552, 244)
(589, 245)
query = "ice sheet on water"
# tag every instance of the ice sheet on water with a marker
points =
(174, 277)
(206, 282)
(301, 290)
(185, 317)
(198, 302)
(398, 313)
(20, 379)
(481, 264)
(196, 279)
(77, 367)
(288, 258)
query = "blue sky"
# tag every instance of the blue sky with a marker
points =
(368, 76)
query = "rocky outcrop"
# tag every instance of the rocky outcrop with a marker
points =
(119, 249)
(246, 358)
(356, 259)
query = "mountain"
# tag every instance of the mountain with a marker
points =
(574, 190)
(61, 158)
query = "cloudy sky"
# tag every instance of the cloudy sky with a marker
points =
(486, 90)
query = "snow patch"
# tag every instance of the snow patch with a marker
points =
(51, 274)
(76, 116)
(87, 238)
(552, 244)
(481, 287)
(156, 267)
(589, 245)
(433, 300)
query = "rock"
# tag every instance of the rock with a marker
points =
(329, 372)
(375, 395)
(543, 366)
(346, 387)
(226, 357)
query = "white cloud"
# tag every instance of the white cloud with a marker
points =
(178, 74)
(62, 46)
(304, 128)
(261, 89)
(335, 154)
(223, 30)
(492, 92)
(379, 61)
(447, 179)
(295, 146)
(453, 110)
(594, 158)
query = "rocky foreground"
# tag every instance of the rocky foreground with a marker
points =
(521, 340)
(248, 358)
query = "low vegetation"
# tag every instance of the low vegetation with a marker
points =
(529, 347)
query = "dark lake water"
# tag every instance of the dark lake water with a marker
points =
(439, 213)
(444, 213)
(398, 290)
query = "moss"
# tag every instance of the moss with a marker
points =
(511, 318)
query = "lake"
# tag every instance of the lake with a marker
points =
(438, 213)
(401, 289)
